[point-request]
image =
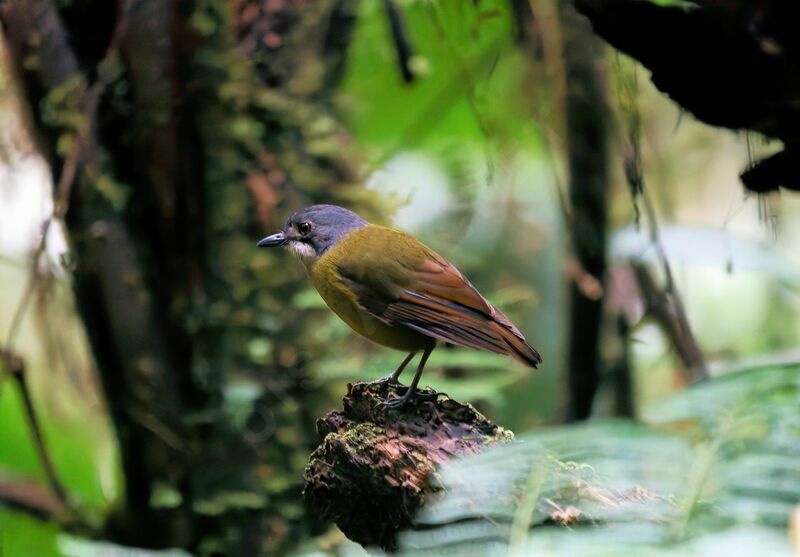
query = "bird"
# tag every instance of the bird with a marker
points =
(394, 290)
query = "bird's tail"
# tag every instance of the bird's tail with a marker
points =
(518, 347)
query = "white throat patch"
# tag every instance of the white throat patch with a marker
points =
(304, 251)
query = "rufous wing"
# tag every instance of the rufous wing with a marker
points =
(429, 295)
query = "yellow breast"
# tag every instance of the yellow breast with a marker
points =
(328, 282)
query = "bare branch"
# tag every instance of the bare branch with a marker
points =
(16, 367)
(44, 14)
(664, 306)
(402, 45)
(30, 498)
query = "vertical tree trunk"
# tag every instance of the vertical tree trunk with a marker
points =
(205, 130)
(587, 151)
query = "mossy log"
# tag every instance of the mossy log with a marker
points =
(372, 471)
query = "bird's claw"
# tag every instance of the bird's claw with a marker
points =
(417, 396)
(395, 403)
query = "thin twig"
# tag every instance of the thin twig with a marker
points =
(684, 330)
(682, 334)
(78, 150)
(29, 497)
(402, 45)
(441, 102)
(36, 432)
(69, 171)
(59, 209)
(662, 306)
(16, 367)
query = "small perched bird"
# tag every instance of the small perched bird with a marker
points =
(394, 290)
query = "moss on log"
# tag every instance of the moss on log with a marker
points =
(372, 471)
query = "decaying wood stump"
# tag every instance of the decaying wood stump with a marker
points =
(372, 471)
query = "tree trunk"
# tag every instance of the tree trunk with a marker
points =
(190, 126)
(587, 152)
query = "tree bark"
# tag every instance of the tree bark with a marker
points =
(163, 227)
(587, 152)
(372, 471)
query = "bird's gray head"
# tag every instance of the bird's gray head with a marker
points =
(312, 231)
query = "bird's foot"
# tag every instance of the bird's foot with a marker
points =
(397, 403)
(415, 395)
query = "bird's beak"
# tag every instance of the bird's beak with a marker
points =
(277, 239)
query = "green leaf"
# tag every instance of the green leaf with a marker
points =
(713, 472)
(71, 546)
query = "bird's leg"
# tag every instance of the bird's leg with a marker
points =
(393, 378)
(400, 402)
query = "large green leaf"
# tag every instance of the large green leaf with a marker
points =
(24, 536)
(715, 470)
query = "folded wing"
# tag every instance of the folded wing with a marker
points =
(429, 295)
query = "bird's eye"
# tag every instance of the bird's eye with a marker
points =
(303, 227)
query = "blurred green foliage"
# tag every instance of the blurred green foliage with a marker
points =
(713, 471)
(464, 158)
(462, 155)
